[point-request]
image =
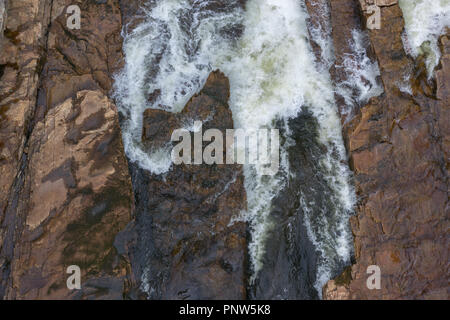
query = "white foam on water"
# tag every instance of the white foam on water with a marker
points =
(165, 56)
(321, 33)
(361, 71)
(272, 75)
(425, 21)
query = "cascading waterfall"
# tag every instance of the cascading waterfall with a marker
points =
(273, 75)
(167, 60)
(362, 83)
(264, 50)
(425, 21)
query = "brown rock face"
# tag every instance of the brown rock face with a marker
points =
(198, 253)
(22, 40)
(66, 190)
(66, 195)
(399, 153)
(20, 59)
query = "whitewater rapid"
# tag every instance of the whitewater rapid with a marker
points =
(425, 21)
(273, 75)
(265, 52)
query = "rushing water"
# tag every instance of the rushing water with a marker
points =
(362, 73)
(265, 52)
(425, 21)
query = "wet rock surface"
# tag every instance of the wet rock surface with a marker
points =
(289, 269)
(21, 46)
(69, 197)
(398, 145)
(77, 165)
(67, 190)
(194, 251)
(319, 27)
(2, 17)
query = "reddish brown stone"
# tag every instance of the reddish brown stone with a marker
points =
(399, 153)
(65, 181)
(200, 254)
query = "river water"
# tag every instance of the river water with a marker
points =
(299, 235)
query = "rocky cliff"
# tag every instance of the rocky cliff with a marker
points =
(66, 191)
(398, 145)
(198, 249)
(68, 195)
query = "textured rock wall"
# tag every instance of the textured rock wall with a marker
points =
(398, 144)
(2, 18)
(198, 252)
(66, 193)
(20, 63)
(66, 190)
